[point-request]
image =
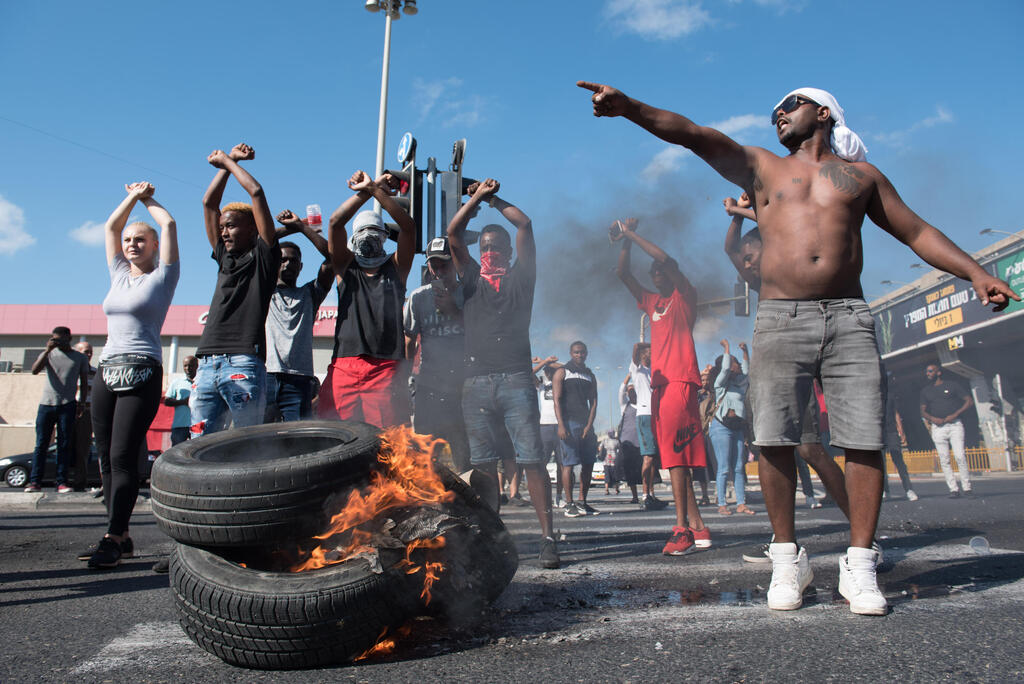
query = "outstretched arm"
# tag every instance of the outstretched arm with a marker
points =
(623, 269)
(118, 219)
(457, 227)
(168, 229)
(889, 212)
(260, 209)
(730, 159)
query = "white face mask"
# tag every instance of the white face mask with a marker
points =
(368, 247)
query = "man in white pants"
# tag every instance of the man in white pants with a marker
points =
(941, 405)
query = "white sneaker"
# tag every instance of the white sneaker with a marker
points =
(911, 495)
(877, 548)
(858, 583)
(791, 574)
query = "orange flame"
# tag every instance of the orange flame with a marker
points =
(408, 478)
(384, 646)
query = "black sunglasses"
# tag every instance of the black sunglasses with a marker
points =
(789, 104)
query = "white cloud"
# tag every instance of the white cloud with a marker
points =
(89, 233)
(12, 228)
(671, 158)
(898, 138)
(441, 100)
(427, 93)
(708, 329)
(658, 19)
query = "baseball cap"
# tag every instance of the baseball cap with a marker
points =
(439, 249)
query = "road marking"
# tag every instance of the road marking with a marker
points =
(147, 646)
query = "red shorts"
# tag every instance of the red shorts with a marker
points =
(365, 388)
(677, 426)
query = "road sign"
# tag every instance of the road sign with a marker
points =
(406, 148)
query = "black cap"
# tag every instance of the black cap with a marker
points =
(439, 249)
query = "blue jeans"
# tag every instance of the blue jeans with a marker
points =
(502, 401)
(228, 386)
(291, 394)
(729, 452)
(46, 417)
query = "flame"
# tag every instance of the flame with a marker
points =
(407, 478)
(384, 646)
(431, 569)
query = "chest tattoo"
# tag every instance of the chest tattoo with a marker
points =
(845, 177)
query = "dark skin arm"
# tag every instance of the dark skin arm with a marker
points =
(730, 159)
(623, 268)
(668, 265)
(589, 428)
(539, 363)
(260, 209)
(889, 212)
(291, 224)
(215, 193)
(40, 363)
(557, 388)
(934, 420)
(382, 190)
(457, 227)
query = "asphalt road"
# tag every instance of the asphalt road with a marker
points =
(617, 610)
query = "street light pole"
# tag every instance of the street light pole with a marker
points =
(383, 118)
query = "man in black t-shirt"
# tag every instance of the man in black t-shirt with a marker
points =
(942, 403)
(231, 382)
(366, 378)
(575, 395)
(498, 393)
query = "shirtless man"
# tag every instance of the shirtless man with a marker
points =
(812, 317)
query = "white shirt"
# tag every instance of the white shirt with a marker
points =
(641, 376)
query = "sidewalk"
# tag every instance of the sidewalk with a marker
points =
(49, 500)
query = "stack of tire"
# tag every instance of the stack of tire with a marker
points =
(234, 499)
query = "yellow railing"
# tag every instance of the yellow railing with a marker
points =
(926, 462)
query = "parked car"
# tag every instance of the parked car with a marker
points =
(16, 469)
(596, 477)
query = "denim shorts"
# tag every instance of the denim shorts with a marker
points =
(645, 433)
(498, 403)
(829, 339)
(579, 450)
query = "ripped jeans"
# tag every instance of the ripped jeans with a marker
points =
(228, 387)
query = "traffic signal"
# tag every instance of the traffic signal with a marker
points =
(410, 196)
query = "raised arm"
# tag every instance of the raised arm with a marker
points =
(526, 246)
(168, 229)
(623, 269)
(725, 372)
(457, 227)
(667, 263)
(730, 159)
(385, 188)
(215, 193)
(337, 236)
(260, 209)
(539, 364)
(887, 209)
(291, 224)
(116, 223)
(734, 232)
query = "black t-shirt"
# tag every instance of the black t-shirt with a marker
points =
(236, 323)
(578, 387)
(498, 321)
(370, 313)
(943, 400)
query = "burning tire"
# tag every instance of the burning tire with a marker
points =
(259, 486)
(279, 620)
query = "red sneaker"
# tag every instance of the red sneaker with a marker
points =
(701, 538)
(680, 543)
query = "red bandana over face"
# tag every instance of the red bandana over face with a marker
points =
(493, 266)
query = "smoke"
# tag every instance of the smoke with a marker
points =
(579, 295)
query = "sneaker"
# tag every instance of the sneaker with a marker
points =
(518, 501)
(912, 495)
(573, 511)
(64, 489)
(968, 492)
(813, 503)
(653, 503)
(877, 548)
(127, 550)
(634, 500)
(701, 538)
(549, 554)
(107, 555)
(163, 566)
(953, 495)
(560, 503)
(588, 509)
(758, 555)
(791, 574)
(704, 501)
(680, 543)
(33, 488)
(858, 583)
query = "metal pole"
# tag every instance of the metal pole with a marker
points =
(432, 199)
(382, 120)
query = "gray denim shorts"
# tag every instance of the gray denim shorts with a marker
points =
(829, 339)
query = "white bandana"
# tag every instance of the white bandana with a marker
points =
(845, 143)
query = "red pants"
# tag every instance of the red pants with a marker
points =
(677, 427)
(365, 388)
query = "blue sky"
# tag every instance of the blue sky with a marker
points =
(930, 87)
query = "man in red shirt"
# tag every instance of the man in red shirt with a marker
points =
(675, 380)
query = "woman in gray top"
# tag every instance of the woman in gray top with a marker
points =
(143, 274)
